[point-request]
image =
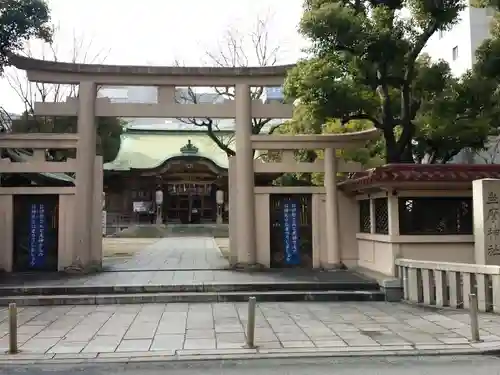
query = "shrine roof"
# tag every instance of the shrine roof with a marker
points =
(432, 176)
(150, 149)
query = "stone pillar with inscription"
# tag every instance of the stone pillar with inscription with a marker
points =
(486, 205)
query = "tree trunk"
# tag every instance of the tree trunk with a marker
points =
(393, 156)
(396, 151)
(407, 154)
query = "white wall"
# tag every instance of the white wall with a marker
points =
(467, 35)
(480, 22)
(441, 44)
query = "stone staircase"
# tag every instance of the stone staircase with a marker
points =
(331, 286)
(173, 230)
(195, 230)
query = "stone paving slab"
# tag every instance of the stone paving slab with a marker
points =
(119, 248)
(175, 253)
(177, 329)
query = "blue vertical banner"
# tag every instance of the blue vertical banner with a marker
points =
(38, 228)
(291, 232)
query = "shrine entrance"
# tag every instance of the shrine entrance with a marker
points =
(250, 240)
(189, 184)
(190, 203)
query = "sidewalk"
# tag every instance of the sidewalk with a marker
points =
(176, 331)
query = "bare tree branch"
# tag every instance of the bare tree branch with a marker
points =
(31, 92)
(236, 50)
(5, 120)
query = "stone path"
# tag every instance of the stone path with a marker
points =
(162, 330)
(176, 253)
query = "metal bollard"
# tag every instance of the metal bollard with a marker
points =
(13, 329)
(251, 323)
(474, 320)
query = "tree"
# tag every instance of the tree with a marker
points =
(464, 116)
(488, 52)
(109, 130)
(80, 51)
(371, 155)
(236, 50)
(490, 155)
(5, 120)
(486, 67)
(444, 123)
(366, 64)
(21, 20)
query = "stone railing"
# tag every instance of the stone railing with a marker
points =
(443, 284)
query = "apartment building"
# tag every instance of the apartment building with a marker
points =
(458, 45)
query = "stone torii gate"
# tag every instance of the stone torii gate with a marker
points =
(331, 166)
(87, 107)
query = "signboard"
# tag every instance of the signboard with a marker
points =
(492, 224)
(37, 234)
(291, 232)
(273, 93)
(141, 206)
(486, 221)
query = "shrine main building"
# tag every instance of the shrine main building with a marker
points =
(173, 156)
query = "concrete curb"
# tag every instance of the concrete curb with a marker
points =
(248, 354)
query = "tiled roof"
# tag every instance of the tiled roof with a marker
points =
(150, 150)
(420, 173)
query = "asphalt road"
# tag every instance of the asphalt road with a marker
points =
(466, 365)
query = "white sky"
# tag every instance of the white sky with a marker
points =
(158, 32)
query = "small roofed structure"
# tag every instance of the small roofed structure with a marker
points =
(420, 212)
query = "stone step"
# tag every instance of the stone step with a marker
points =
(172, 230)
(206, 297)
(52, 290)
